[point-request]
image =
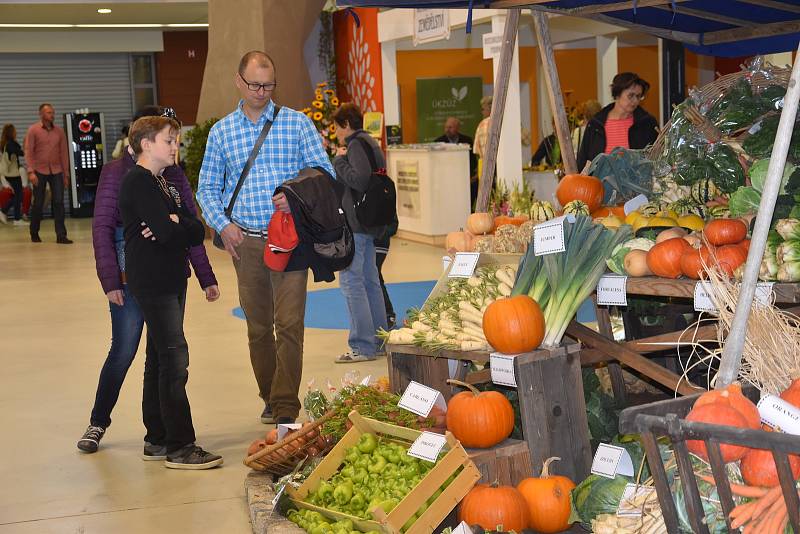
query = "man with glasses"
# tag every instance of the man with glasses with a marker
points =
(273, 302)
(622, 123)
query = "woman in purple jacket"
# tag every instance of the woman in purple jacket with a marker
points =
(126, 317)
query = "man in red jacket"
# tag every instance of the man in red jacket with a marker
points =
(47, 158)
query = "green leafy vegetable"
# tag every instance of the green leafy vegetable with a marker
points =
(743, 201)
(758, 175)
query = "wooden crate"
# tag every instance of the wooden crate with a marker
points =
(455, 459)
(506, 463)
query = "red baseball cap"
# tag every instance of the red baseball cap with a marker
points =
(281, 241)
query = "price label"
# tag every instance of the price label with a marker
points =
(763, 294)
(278, 496)
(611, 290)
(446, 261)
(502, 368)
(702, 298)
(634, 204)
(420, 399)
(462, 528)
(779, 414)
(548, 237)
(427, 446)
(464, 264)
(366, 380)
(626, 507)
(610, 460)
(284, 429)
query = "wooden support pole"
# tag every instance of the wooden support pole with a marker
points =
(734, 343)
(498, 107)
(554, 91)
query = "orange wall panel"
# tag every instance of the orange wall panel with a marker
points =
(179, 71)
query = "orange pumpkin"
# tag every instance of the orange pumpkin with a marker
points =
(734, 396)
(717, 413)
(479, 419)
(500, 220)
(548, 498)
(605, 211)
(792, 393)
(495, 507)
(514, 325)
(725, 231)
(692, 262)
(580, 187)
(758, 468)
(664, 259)
(729, 258)
(480, 223)
(256, 446)
(745, 244)
(459, 241)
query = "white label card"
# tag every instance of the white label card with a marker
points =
(284, 429)
(763, 294)
(446, 261)
(421, 399)
(462, 528)
(464, 264)
(634, 204)
(548, 237)
(427, 446)
(611, 290)
(502, 368)
(632, 491)
(702, 298)
(779, 414)
(366, 380)
(278, 496)
(609, 460)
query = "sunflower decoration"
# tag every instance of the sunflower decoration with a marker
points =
(321, 112)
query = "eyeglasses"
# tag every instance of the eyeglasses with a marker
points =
(634, 96)
(255, 87)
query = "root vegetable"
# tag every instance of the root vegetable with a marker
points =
(419, 326)
(504, 289)
(473, 345)
(504, 278)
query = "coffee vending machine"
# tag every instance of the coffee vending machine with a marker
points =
(87, 152)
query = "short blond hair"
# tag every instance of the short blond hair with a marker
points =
(148, 128)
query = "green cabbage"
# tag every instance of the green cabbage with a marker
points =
(743, 201)
(617, 260)
(597, 495)
(758, 175)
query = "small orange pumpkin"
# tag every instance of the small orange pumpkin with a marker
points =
(479, 419)
(548, 498)
(734, 396)
(792, 393)
(758, 468)
(729, 258)
(664, 259)
(459, 241)
(725, 231)
(745, 244)
(500, 220)
(717, 413)
(580, 187)
(480, 223)
(514, 325)
(605, 211)
(494, 507)
(256, 446)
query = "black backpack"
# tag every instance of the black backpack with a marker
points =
(377, 206)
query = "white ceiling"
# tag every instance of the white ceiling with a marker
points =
(122, 12)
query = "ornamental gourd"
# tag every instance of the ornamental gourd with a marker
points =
(514, 325)
(725, 231)
(548, 498)
(576, 207)
(479, 419)
(664, 259)
(579, 187)
(494, 507)
(480, 223)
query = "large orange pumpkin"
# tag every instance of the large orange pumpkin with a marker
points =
(758, 468)
(580, 187)
(500, 508)
(664, 259)
(717, 413)
(725, 231)
(479, 419)
(514, 325)
(548, 498)
(733, 395)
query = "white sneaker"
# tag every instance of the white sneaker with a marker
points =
(21, 223)
(3, 218)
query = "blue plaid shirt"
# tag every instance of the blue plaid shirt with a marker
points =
(291, 145)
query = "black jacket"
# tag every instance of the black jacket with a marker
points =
(466, 140)
(545, 151)
(642, 133)
(355, 171)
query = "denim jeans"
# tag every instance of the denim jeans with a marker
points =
(16, 201)
(165, 406)
(362, 293)
(126, 331)
(56, 182)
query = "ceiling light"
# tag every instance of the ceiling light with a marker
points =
(104, 11)
(192, 25)
(36, 25)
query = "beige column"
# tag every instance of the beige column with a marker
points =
(277, 27)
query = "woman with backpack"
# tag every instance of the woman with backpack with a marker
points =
(360, 282)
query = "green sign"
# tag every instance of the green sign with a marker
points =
(440, 98)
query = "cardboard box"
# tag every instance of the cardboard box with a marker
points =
(455, 459)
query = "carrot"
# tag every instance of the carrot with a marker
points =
(767, 500)
(743, 509)
(751, 514)
(775, 523)
(741, 490)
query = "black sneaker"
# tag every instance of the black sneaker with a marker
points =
(192, 457)
(266, 416)
(63, 240)
(35, 238)
(90, 440)
(154, 453)
(285, 421)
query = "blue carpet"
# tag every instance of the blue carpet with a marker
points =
(325, 308)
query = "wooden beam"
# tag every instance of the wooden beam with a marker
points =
(617, 6)
(505, 4)
(773, 4)
(741, 34)
(707, 15)
(498, 109)
(648, 344)
(545, 46)
(652, 370)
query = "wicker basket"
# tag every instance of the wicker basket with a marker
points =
(281, 458)
(759, 81)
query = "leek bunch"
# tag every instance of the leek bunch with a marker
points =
(560, 282)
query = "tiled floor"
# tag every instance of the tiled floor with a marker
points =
(55, 332)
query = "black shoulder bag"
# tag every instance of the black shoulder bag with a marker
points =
(377, 206)
(247, 166)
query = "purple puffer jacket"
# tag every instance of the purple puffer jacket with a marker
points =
(107, 220)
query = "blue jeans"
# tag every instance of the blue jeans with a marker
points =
(362, 292)
(126, 331)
